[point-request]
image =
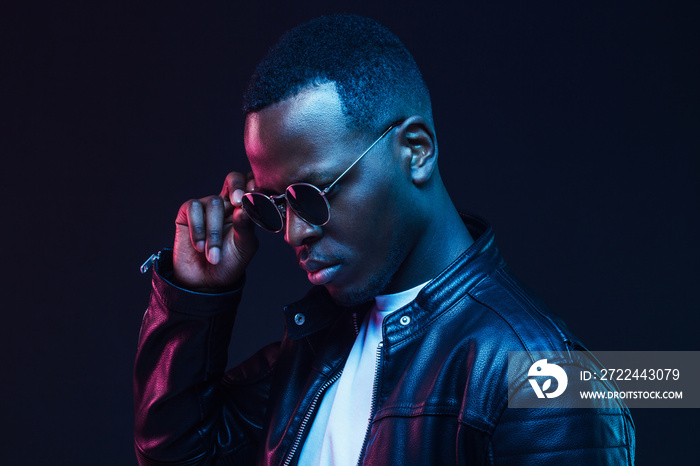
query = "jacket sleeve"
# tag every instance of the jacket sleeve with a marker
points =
(188, 410)
(602, 433)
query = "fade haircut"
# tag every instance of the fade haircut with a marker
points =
(375, 76)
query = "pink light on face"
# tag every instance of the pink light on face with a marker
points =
(258, 140)
(251, 135)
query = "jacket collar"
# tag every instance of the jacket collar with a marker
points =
(450, 286)
(317, 309)
(473, 265)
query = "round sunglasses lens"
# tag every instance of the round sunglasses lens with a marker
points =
(308, 203)
(262, 211)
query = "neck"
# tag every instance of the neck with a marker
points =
(442, 240)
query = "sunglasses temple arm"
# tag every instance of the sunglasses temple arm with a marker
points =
(325, 191)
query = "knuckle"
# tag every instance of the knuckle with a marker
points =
(198, 229)
(195, 204)
(234, 178)
(213, 202)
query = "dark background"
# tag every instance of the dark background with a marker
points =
(571, 126)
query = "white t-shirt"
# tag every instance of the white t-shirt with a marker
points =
(339, 428)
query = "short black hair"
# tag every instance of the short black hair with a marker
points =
(375, 76)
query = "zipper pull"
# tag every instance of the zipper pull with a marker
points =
(149, 262)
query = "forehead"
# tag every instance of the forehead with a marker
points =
(301, 139)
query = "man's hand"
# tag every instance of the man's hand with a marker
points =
(214, 238)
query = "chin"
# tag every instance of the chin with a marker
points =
(358, 294)
(349, 298)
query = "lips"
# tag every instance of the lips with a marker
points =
(319, 273)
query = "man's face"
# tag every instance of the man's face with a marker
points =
(304, 139)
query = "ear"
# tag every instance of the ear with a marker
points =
(420, 146)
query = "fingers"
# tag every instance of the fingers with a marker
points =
(209, 220)
(214, 209)
(235, 185)
(196, 222)
(204, 218)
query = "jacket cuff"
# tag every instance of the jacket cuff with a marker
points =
(178, 299)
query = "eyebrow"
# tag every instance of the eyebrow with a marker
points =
(320, 180)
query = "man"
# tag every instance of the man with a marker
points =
(398, 355)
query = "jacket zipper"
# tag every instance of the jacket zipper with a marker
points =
(373, 407)
(307, 416)
(149, 262)
(314, 402)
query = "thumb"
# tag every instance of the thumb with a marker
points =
(244, 240)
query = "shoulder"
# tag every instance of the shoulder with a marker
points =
(521, 319)
(485, 322)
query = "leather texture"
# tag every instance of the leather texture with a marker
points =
(441, 388)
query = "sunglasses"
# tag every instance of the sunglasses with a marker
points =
(306, 200)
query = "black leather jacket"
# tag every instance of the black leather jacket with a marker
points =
(440, 393)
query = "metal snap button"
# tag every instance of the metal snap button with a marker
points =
(405, 320)
(299, 319)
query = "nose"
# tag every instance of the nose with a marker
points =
(297, 232)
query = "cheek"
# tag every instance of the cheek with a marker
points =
(368, 222)
(365, 210)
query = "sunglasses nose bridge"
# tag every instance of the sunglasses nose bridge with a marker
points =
(313, 211)
(260, 208)
(282, 204)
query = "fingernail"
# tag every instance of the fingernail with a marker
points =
(214, 255)
(237, 197)
(199, 246)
